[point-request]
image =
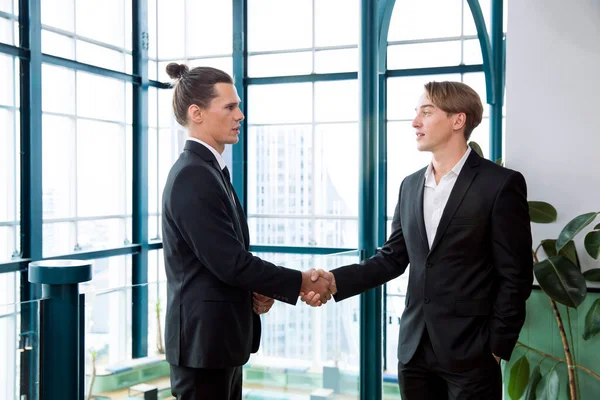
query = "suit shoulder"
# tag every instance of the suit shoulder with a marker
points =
(415, 176)
(500, 172)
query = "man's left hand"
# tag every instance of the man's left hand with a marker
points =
(261, 304)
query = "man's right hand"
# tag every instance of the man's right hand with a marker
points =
(318, 288)
(314, 298)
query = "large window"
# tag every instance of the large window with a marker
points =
(86, 137)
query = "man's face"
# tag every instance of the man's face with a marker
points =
(434, 128)
(221, 120)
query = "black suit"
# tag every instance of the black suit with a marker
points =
(466, 295)
(211, 275)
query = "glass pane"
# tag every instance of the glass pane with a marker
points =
(214, 35)
(344, 15)
(7, 31)
(336, 172)
(7, 242)
(279, 25)
(304, 349)
(344, 60)
(58, 89)
(170, 37)
(59, 173)
(280, 169)
(92, 17)
(423, 55)
(403, 94)
(403, 159)
(425, 19)
(8, 165)
(469, 23)
(280, 64)
(58, 45)
(58, 238)
(101, 234)
(14, 345)
(281, 103)
(304, 231)
(336, 101)
(9, 292)
(101, 163)
(101, 56)
(152, 28)
(481, 135)
(7, 80)
(153, 191)
(59, 14)
(6, 6)
(93, 90)
(472, 52)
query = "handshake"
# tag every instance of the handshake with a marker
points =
(317, 287)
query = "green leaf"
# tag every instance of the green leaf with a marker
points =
(534, 379)
(597, 227)
(561, 280)
(476, 147)
(569, 251)
(548, 387)
(542, 212)
(592, 244)
(592, 275)
(500, 162)
(592, 321)
(573, 228)
(519, 376)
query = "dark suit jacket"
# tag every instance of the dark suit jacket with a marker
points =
(210, 273)
(469, 290)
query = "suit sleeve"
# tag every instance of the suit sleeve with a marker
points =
(511, 252)
(389, 263)
(199, 211)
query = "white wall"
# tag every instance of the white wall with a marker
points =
(553, 107)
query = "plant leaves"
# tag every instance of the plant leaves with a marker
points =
(534, 379)
(592, 321)
(569, 251)
(500, 162)
(477, 148)
(573, 228)
(548, 387)
(592, 275)
(561, 280)
(592, 244)
(542, 212)
(519, 377)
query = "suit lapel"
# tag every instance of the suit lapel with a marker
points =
(419, 210)
(242, 219)
(463, 182)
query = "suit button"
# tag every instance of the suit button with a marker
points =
(426, 300)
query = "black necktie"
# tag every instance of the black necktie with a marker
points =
(228, 183)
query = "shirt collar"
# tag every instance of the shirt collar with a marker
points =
(219, 158)
(429, 177)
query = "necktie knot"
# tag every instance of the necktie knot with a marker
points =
(226, 173)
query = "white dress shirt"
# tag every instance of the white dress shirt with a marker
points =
(436, 195)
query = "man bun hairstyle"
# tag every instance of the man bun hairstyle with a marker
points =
(457, 97)
(196, 86)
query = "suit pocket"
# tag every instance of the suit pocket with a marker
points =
(472, 307)
(224, 294)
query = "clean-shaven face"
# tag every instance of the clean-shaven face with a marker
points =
(433, 126)
(222, 118)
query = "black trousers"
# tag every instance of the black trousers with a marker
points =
(422, 378)
(206, 384)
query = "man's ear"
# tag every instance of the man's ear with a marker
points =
(195, 114)
(460, 120)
